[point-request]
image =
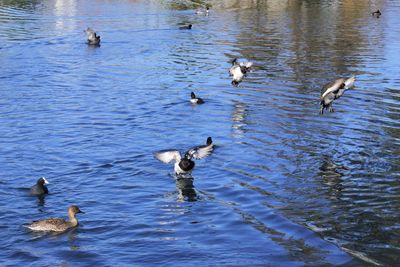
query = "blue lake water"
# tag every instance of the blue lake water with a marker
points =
(285, 186)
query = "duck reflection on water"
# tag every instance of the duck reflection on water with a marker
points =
(185, 187)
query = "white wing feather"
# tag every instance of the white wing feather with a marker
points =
(167, 156)
(350, 82)
(237, 73)
(248, 65)
(231, 70)
(91, 35)
(201, 151)
(332, 87)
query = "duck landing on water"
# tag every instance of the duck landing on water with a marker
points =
(333, 91)
(204, 12)
(238, 70)
(376, 14)
(185, 164)
(92, 37)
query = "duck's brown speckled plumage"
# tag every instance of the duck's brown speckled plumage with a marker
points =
(57, 224)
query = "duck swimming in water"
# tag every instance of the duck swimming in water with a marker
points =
(188, 27)
(40, 187)
(92, 37)
(185, 164)
(334, 90)
(376, 14)
(204, 12)
(56, 224)
(238, 70)
(196, 100)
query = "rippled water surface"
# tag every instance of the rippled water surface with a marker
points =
(284, 186)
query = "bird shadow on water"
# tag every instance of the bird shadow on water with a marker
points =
(332, 174)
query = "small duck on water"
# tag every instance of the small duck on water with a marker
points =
(92, 37)
(204, 12)
(334, 90)
(56, 224)
(40, 187)
(185, 164)
(196, 100)
(188, 27)
(376, 14)
(238, 70)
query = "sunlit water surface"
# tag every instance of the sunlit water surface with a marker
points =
(284, 186)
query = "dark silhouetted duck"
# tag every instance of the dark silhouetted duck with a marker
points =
(92, 37)
(188, 27)
(40, 187)
(196, 100)
(376, 14)
(334, 90)
(238, 70)
(56, 224)
(185, 164)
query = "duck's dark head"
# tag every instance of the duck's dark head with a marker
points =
(209, 141)
(243, 69)
(186, 164)
(42, 181)
(190, 26)
(192, 95)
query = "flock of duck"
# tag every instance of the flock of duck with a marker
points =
(183, 164)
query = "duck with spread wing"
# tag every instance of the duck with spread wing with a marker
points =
(185, 164)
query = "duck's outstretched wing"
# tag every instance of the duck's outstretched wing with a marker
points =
(200, 152)
(91, 35)
(350, 82)
(233, 69)
(331, 87)
(237, 72)
(167, 156)
(247, 65)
